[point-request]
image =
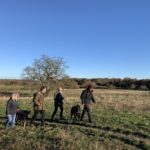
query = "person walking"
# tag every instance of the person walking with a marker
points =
(58, 102)
(11, 110)
(38, 105)
(86, 98)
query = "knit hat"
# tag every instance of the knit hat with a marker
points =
(89, 86)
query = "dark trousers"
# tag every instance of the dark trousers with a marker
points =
(88, 110)
(42, 113)
(56, 108)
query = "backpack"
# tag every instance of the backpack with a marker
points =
(33, 99)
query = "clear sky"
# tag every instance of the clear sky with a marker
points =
(97, 38)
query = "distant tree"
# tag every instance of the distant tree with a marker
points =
(45, 69)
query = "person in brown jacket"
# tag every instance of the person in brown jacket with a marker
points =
(38, 105)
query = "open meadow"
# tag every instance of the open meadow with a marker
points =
(121, 120)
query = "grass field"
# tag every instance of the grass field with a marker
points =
(121, 120)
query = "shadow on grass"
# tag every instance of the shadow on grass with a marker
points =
(68, 122)
(117, 134)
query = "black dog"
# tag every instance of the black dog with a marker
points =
(75, 111)
(22, 116)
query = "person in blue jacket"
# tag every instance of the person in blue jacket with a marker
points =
(58, 102)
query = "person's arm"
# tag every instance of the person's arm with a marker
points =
(8, 107)
(93, 99)
(55, 94)
(82, 97)
(17, 103)
(36, 100)
(62, 97)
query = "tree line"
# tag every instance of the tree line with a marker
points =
(50, 71)
(75, 83)
(116, 83)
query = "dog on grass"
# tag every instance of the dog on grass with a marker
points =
(22, 117)
(75, 111)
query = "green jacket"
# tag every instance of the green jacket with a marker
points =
(38, 101)
(87, 97)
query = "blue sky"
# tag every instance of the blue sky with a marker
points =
(97, 38)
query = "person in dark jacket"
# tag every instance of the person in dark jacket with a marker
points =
(86, 98)
(38, 105)
(11, 110)
(58, 102)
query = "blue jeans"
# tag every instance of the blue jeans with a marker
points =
(10, 122)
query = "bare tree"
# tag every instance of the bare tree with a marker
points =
(45, 69)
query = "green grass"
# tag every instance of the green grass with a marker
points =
(121, 120)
